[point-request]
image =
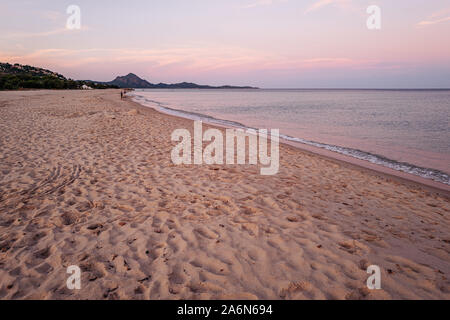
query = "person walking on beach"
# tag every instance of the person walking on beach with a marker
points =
(121, 94)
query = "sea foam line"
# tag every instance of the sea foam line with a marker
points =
(427, 173)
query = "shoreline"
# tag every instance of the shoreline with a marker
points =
(87, 180)
(375, 169)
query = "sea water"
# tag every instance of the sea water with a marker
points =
(406, 130)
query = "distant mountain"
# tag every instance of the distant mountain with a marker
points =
(133, 81)
(17, 76)
(130, 81)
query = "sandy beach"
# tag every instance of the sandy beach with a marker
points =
(86, 179)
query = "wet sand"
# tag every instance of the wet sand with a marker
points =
(86, 179)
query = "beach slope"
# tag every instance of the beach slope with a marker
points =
(86, 179)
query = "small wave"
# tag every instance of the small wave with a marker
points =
(427, 173)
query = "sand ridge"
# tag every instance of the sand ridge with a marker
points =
(86, 179)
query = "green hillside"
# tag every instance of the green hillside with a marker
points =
(14, 77)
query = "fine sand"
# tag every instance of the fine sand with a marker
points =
(86, 179)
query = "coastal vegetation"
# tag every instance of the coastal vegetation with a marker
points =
(16, 76)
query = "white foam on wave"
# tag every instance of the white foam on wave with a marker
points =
(427, 173)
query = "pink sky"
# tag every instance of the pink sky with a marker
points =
(267, 43)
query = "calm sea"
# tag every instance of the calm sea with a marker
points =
(406, 130)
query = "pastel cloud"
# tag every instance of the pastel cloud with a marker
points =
(324, 3)
(436, 18)
(184, 60)
(431, 22)
(59, 31)
(259, 41)
(260, 3)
